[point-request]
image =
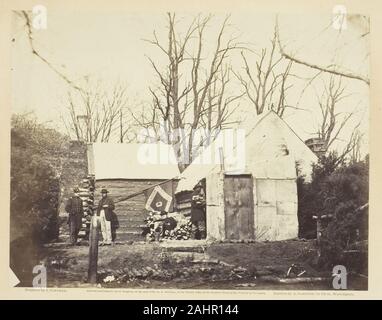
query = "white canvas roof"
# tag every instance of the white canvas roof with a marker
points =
(271, 151)
(269, 141)
(134, 161)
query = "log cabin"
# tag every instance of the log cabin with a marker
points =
(138, 172)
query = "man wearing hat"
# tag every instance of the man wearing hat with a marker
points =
(105, 212)
(198, 212)
(76, 212)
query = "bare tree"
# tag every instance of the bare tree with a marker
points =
(141, 124)
(192, 91)
(332, 121)
(266, 86)
(331, 69)
(354, 146)
(96, 115)
(128, 129)
(36, 52)
(352, 150)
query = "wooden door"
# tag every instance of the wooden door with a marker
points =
(238, 207)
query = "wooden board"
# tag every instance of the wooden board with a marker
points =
(131, 213)
(215, 206)
(276, 209)
(238, 207)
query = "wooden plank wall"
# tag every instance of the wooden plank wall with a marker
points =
(215, 207)
(238, 207)
(183, 203)
(276, 209)
(131, 213)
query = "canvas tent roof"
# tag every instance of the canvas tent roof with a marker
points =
(271, 150)
(272, 137)
(153, 161)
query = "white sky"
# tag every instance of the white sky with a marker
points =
(110, 48)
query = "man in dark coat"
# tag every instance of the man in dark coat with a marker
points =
(105, 212)
(76, 212)
(198, 212)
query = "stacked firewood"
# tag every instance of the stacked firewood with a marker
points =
(86, 193)
(172, 226)
(154, 225)
(182, 232)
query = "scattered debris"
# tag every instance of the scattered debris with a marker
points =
(206, 261)
(238, 241)
(163, 225)
(226, 264)
(295, 270)
(275, 279)
(246, 285)
(109, 279)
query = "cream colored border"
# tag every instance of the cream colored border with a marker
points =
(368, 7)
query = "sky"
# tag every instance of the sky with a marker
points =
(111, 48)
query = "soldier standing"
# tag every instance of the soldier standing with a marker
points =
(76, 212)
(105, 211)
(198, 212)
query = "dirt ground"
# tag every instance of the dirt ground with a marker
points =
(187, 265)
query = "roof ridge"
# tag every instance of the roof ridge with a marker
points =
(294, 132)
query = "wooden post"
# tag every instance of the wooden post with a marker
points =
(319, 219)
(221, 156)
(93, 249)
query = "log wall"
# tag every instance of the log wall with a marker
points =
(131, 213)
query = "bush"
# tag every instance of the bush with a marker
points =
(337, 189)
(348, 188)
(34, 182)
(306, 210)
(312, 195)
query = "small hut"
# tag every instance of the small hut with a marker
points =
(144, 170)
(251, 189)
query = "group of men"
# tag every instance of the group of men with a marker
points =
(105, 212)
(109, 221)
